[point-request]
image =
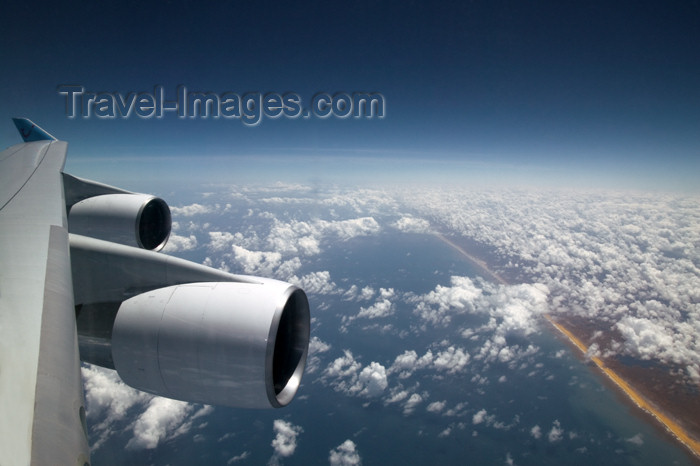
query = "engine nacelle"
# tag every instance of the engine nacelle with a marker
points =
(132, 219)
(230, 344)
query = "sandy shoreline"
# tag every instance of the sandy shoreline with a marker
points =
(668, 424)
(481, 264)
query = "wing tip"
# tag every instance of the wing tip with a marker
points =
(30, 131)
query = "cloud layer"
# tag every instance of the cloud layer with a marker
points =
(437, 351)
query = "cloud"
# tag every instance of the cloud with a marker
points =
(345, 454)
(257, 262)
(265, 263)
(410, 405)
(114, 407)
(294, 238)
(163, 419)
(509, 460)
(285, 441)
(623, 259)
(512, 310)
(436, 306)
(301, 238)
(371, 381)
(366, 293)
(412, 225)
(436, 406)
(316, 347)
(517, 307)
(287, 270)
(556, 433)
(480, 417)
(355, 293)
(342, 367)
(106, 394)
(190, 210)
(396, 395)
(458, 410)
(636, 440)
(222, 241)
(348, 376)
(177, 243)
(536, 432)
(108, 401)
(382, 308)
(348, 229)
(238, 458)
(452, 360)
(408, 362)
(316, 283)
(648, 339)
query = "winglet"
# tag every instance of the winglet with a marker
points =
(30, 131)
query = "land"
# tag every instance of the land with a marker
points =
(479, 263)
(659, 390)
(679, 419)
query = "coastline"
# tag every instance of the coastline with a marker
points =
(478, 262)
(668, 424)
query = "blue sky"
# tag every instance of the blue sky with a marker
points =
(599, 93)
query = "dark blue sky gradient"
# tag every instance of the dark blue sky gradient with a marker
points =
(539, 85)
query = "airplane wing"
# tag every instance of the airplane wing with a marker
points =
(81, 280)
(42, 412)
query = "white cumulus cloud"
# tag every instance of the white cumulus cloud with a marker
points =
(345, 454)
(412, 225)
(556, 433)
(410, 405)
(285, 441)
(163, 419)
(190, 210)
(177, 243)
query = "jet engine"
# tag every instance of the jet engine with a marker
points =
(231, 344)
(186, 331)
(138, 220)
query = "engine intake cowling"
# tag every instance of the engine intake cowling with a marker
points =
(132, 219)
(230, 344)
